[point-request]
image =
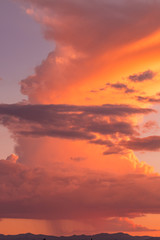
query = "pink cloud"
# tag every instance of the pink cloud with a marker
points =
(122, 224)
(50, 194)
(83, 33)
(109, 225)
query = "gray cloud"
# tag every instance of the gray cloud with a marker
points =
(151, 143)
(140, 77)
(69, 121)
(121, 86)
(148, 99)
(41, 112)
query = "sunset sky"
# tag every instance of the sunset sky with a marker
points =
(79, 112)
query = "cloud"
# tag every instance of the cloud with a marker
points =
(12, 158)
(89, 40)
(118, 86)
(38, 193)
(78, 56)
(121, 86)
(115, 149)
(125, 225)
(109, 225)
(150, 125)
(30, 111)
(152, 100)
(78, 159)
(93, 20)
(108, 125)
(151, 143)
(102, 142)
(143, 76)
(69, 121)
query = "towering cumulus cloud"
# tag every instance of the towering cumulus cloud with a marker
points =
(75, 149)
(89, 38)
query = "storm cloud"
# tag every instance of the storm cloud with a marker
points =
(69, 121)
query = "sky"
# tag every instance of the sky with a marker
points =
(79, 114)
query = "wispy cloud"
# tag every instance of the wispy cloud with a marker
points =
(147, 99)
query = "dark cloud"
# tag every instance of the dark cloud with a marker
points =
(115, 149)
(121, 86)
(111, 128)
(151, 143)
(41, 112)
(99, 90)
(69, 121)
(78, 159)
(140, 77)
(148, 99)
(107, 143)
(63, 133)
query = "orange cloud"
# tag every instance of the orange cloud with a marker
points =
(112, 46)
(90, 45)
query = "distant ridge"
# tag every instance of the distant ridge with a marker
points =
(101, 236)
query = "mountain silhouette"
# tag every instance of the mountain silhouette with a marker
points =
(101, 236)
